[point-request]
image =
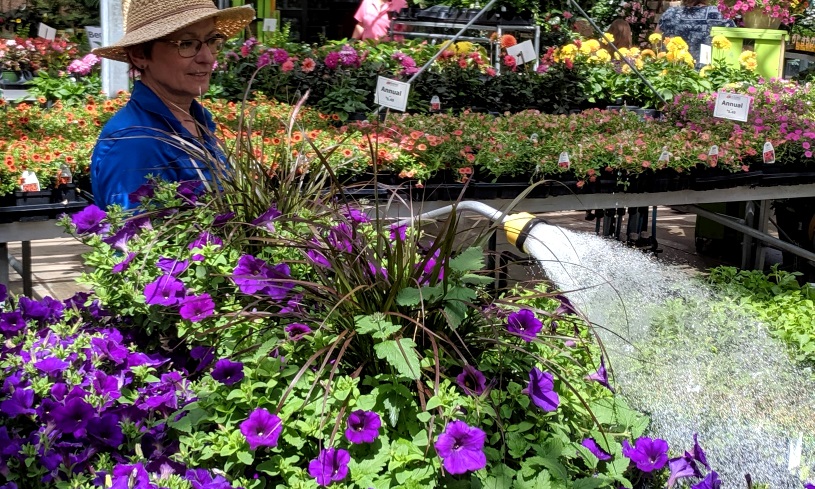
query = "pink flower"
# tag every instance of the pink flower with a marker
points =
(287, 66)
(308, 65)
(510, 61)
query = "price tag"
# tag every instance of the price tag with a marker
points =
(563, 160)
(769, 153)
(713, 156)
(732, 106)
(391, 93)
(29, 182)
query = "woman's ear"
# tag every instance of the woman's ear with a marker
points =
(137, 57)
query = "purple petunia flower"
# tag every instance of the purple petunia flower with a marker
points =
(266, 220)
(523, 323)
(204, 354)
(565, 307)
(51, 366)
(340, 237)
(205, 239)
(461, 447)
(227, 372)
(89, 220)
(261, 429)
(172, 266)
(164, 291)
(541, 390)
(221, 219)
(472, 381)
(20, 404)
(251, 273)
(197, 307)
(145, 191)
(11, 322)
(712, 481)
(32, 309)
(699, 454)
(317, 258)
(202, 479)
(124, 264)
(399, 233)
(363, 426)
(595, 449)
(647, 454)
(73, 416)
(3, 293)
(297, 331)
(356, 216)
(601, 376)
(330, 465)
(131, 477)
(429, 267)
(807, 485)
(106, 430)
(681, 467)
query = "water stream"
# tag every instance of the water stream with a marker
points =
(690, 361)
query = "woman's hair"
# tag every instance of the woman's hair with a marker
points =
(147, 50)
(582, 26)
(621, 32)
(693, 3)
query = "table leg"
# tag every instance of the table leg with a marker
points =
(27, 287)
(4, 265)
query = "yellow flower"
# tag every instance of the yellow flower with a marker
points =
(721, 42)
(607, 37)
(676, 44)
(748, 60)
(464, 47)
(638, 63)
(688, 59)
(655, 38)
(704, 70)
(623, 52)
(625, 69)
(603, 55)
(647, 53)
(568, 51)
(590, 46)
(634, 52)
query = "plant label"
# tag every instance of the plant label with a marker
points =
(391, 93)
(64, 175)
(732, 106)
(665, 156)
(563, 160)
(713, 156)
(269, 25)
(29, 182)
(533, 138)
(94, 35)
(769, 153)
(523, 52)
(47, 32)
(705, 54)
(435, 103)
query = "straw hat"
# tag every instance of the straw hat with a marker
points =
(147, 20)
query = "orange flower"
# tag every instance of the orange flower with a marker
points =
(508, 40)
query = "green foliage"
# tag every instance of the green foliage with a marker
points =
(777, 299)
(68, 88)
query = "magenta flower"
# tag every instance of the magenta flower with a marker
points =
(595, 449)
(221, 219)
(331, 465)
(332, 60)
(318, 258)
(164, 291)
(648, 454)
(472, 381)
(261, 429)
(131, 477)
(523, 323)
(541, 390)
(204, 239)
(461, 448)
(297, 331)
(197, 307)
(363, 426)
(227, 372)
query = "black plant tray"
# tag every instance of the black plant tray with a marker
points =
(42, 205)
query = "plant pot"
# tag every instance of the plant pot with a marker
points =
(757, 19)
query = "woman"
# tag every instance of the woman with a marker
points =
(172, 44)
(373, 18)
(692, 21)
(620, 29)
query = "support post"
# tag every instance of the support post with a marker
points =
(747, 241)
(28, 288)
(763, 220)
(114, 73)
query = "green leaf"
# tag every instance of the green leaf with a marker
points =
(468, 260)
(541, 481)
(401, 356)
(409, 297)
(589, 483)
(246, 458)
(376, 325)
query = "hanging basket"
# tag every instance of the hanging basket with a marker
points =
(757, 19)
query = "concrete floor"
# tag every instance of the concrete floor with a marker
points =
(57, 263)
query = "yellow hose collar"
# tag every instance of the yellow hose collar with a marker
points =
(514, 224)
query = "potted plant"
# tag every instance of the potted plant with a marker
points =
(763, 14)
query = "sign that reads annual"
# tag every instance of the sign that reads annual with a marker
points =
(732, 106)
(391, 93)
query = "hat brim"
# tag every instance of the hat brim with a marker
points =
(228, 22)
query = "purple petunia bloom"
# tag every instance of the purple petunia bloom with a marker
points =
(363, 426)
(145, 191)
(164, 291)
(261, 429)
(681, 467)
(73, 416)
(202, 479)
(356, 216)
(189, 190)
(712, 481)
(172, 266)
(595, 449)
(221, 219)
(317, 258)
(205, 239)
(429, 267)
(330, 465)
(106, 430)
(699, 454)
(297, 331)
(197, 307)
(340, 238)
(472, 381)
(124, 264)
(89, 220)
(131, 228)
(399, 233)
(227, 372)
(647, 454)
(807, 485)
(461, 447)
(11, 322)
(204, 354)
(250, 274)
(131, 477)
(32, 309)
(20, 404)
(541, 390)
(3, 293)
(523, 323)
(601, 376)
(266, 220)
(51, 366)
(565, 307)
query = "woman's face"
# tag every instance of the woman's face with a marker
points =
(177, 77)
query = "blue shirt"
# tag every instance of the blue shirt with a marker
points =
(136, 142)
(693, 25)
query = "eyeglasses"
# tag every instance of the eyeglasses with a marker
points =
(188, 48)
